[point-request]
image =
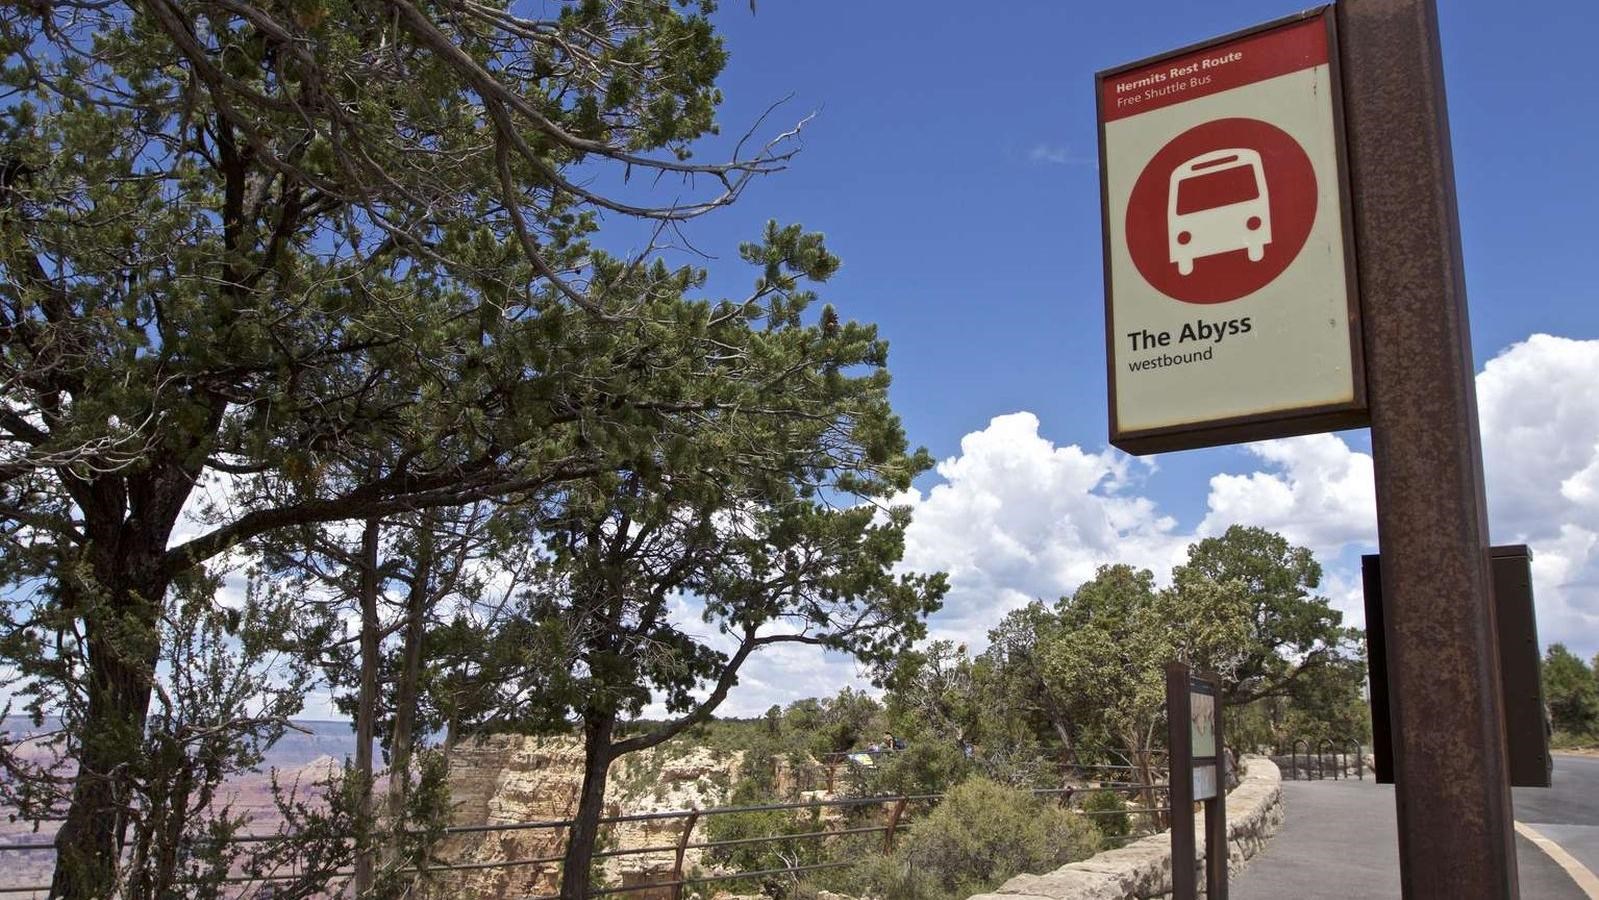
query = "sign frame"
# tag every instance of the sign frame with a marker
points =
(1354, 413)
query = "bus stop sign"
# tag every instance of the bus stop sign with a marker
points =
(1230, 302)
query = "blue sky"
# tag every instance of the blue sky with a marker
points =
(952, 165)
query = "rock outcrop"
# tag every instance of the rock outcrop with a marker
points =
(513, 779)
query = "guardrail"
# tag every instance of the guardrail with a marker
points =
(828, 765)
(1323, 751)
(893, 824)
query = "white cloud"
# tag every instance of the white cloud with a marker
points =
(1318, 493)
(1056, 155)
(1019, 518)
(1538, 411)
(1538, 401)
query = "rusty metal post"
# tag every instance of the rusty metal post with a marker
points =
(682, 850)
(1217, 847)
(1451, 779)
(893, 824)
(1180, 782)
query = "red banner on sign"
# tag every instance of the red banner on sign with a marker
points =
(1214, 69)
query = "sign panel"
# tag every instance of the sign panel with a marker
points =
(1202, 722)
(1205, 781)
(1229, 277)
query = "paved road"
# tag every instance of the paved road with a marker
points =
(1339, 839)
(1568, 812)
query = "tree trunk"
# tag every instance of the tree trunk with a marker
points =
(122, 647)
(410, 675)
(127, 522)
(585, 830)
(366, 701)
(1069, 758)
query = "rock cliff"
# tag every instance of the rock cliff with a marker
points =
(509, 779)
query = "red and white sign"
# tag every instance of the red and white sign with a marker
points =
(1229, 285)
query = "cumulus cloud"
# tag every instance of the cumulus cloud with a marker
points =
(1015, 516)
(1018, 518)
(1539, 409)
(1316, 491)
(1539, 416)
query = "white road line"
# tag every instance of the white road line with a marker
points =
(1581, 874)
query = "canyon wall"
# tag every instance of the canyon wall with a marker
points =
(507, 779)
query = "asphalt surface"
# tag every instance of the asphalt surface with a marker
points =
(1339, 839)
(1568, 812)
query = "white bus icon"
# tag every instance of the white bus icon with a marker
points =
(1218, 203)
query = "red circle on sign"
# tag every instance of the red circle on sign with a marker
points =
(1221, 210)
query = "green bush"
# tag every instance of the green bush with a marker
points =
(1109, 813)
(764, 855)
(927, 765)
(1565, 740)
(884, 878)
(982, 834)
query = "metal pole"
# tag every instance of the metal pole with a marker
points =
(893, 823)
(1217, 847)
(1451, 777)
(1180, 782)
(682, 850)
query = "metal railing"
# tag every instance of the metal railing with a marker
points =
(822, 771)
(1324, 751)
(893, 824)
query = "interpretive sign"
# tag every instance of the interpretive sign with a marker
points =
(1202, 738)
(1197, 768)
(1202, 721)
(1229, 277)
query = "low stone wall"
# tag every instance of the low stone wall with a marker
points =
(1142, 870)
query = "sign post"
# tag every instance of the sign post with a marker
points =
(1282, 256)
(1451, 780)
(1196, 773)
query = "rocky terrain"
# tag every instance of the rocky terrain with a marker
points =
(509, 779)
(499, 780)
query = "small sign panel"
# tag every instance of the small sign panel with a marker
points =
(1229, 277)
(1205, 781)
(1202, 722)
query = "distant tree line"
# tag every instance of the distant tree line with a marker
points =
(1062, 691)
(1571, 693)
(1087, 672)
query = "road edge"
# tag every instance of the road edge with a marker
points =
(1579, 873)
